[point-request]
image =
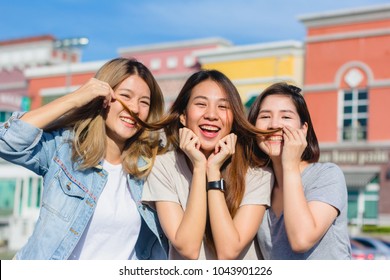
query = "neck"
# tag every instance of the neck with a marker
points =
(113, 152)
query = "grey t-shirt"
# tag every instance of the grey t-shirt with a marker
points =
(323, 182)
(170, 180)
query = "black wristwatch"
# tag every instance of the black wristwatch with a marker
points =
(216, 185)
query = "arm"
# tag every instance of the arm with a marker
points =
(50, 112)
(23, 142)
(231, 235)
(185, 228)
(305, 222)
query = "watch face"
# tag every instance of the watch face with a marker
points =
(222, 185)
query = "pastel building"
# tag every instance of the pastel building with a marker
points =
(347, 88)
(254, 67)
(18, 55)
(173, 62)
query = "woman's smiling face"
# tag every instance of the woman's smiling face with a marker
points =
(208, 114)
(135, 93)
(276, 111)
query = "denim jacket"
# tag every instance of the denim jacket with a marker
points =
(69, 195)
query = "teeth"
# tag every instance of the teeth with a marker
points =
(127, 120)
(208, 127)
(275, 138)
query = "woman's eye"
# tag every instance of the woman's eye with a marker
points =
(125, 96)
(224, 106)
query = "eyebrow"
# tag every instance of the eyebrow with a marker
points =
(283, 111)
(205, 98)
(130, 91)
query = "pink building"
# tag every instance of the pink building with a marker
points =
(172, 63)
(347, 88)
(18, 55)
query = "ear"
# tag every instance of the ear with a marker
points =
(305, 127)
(183, 119)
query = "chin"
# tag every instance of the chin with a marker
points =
(207, 151)
(271, 151)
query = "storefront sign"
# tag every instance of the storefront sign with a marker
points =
(355, 157)
(10, 99)
(14, 102)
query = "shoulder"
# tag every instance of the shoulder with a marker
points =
(168, 162)
(259, 182)
(256, 172)
(324, 168)
(324, 175)
(168, 157)
(259, 178)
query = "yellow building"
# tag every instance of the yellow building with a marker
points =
(254, 67)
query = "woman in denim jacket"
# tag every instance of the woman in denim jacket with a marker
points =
(94, 157)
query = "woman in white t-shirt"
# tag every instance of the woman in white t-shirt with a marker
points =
(209, 203)
(93, 155)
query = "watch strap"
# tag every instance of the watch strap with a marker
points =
(216, 185)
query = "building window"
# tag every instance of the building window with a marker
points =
(172, 62)
(155, 64)
(355, 115)
(189, 61)
(7, 187)
(363, 206)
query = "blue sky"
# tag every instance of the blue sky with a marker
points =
(115, 24)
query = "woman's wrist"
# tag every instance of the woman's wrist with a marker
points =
(213, 174)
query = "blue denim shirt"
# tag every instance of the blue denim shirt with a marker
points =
(69, 195)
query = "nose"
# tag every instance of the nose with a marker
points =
(274, 123)
(133, 106)
(211, 113)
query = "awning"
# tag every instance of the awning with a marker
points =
(359, 180)
(250, 101)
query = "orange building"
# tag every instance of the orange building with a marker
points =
(347, 88)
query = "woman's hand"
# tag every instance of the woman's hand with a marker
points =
(225, 148)
(92, 89)
(294, 144)
(190, 145)
(43, 116)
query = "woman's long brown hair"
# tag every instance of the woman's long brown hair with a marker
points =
(234, 169)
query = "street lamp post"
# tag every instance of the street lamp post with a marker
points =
(68, 45)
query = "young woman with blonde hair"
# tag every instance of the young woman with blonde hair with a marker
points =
(93, 156)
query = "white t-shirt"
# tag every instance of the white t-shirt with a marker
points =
(113, 230)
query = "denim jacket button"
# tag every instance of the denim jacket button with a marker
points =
(68, 186)
(6, 125)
